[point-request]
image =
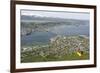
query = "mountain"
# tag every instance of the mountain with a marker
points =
(40, 23)
(41, 18)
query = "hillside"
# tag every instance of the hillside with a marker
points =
(60, 48)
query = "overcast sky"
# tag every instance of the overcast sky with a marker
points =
(57, 14)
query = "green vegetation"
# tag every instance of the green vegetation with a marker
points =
(74, 56)
(60, 48)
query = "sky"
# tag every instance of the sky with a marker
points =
(57, 14)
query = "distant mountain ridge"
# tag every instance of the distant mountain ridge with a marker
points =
(35, 17)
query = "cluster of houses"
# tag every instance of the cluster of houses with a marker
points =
(59, 46)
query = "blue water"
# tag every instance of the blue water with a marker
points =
(71, 30)
(37, 37)
(44, 37)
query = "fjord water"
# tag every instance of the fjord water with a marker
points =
(43, 37)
